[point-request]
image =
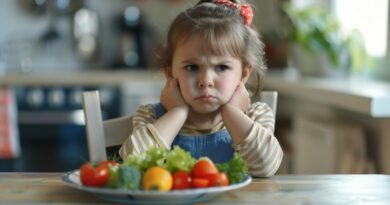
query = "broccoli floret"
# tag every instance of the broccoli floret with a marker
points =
(235, 169)
(128, 178)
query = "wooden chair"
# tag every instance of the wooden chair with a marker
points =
(102, 134)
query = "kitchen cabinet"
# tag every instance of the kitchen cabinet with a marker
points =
(362, 105)
(50, 119)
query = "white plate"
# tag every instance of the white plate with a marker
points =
(72, 179)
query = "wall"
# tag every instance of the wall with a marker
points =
(17, 24)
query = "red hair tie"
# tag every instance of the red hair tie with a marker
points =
(246, 11)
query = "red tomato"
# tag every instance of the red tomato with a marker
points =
(200, 182)
(203, 168)
(219, 179)
(94, 176)
(181, 180)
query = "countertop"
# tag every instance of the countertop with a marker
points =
(371, 98)
(81, 78)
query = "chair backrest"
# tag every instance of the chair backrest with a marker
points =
(108, 133)
(271, 98)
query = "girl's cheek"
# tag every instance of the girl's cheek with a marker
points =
(185, 87)
(227, 86)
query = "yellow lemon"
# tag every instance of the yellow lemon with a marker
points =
(157, 178)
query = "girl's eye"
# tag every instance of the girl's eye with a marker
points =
(191, 68)
(221, 68)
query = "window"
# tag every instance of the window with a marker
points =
(370, 17)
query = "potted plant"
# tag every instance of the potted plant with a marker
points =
(320, 46)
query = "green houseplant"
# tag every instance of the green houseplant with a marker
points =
(318, 35)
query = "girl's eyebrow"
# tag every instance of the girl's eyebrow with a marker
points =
(187, 62)
(190, 60)
(224, 62)
(218, 62)
(212, 62)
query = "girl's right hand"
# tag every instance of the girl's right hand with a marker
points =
(171, 96)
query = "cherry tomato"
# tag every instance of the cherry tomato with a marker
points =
(203, 168)
(181, 180)
(219, 179)
(200, 182)
(224, 179)
(94, 176)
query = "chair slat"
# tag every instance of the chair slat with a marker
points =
(271, 98)
(117, 130)
(94, 126)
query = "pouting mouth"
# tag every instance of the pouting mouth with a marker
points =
(206, 98)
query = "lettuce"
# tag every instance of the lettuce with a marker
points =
(179, 159)
(172, 160)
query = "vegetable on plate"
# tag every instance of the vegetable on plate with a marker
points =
(159, 169)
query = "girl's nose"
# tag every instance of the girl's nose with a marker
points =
(205, 80)
(204, 84)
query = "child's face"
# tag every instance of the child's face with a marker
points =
(206, 81)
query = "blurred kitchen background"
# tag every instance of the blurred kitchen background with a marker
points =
(334, 93)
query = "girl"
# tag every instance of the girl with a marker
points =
(211, 51)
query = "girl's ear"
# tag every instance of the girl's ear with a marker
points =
(246, 72)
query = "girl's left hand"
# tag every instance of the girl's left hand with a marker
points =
(240, 98)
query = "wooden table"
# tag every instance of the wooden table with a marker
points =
(47, 189)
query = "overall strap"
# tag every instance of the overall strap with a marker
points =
(216, 146)
(159, 110)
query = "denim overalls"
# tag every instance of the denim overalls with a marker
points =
(216, 146)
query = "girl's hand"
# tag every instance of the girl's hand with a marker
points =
(240, 98)
(171, 96)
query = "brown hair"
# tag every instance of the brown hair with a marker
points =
(223, 32)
